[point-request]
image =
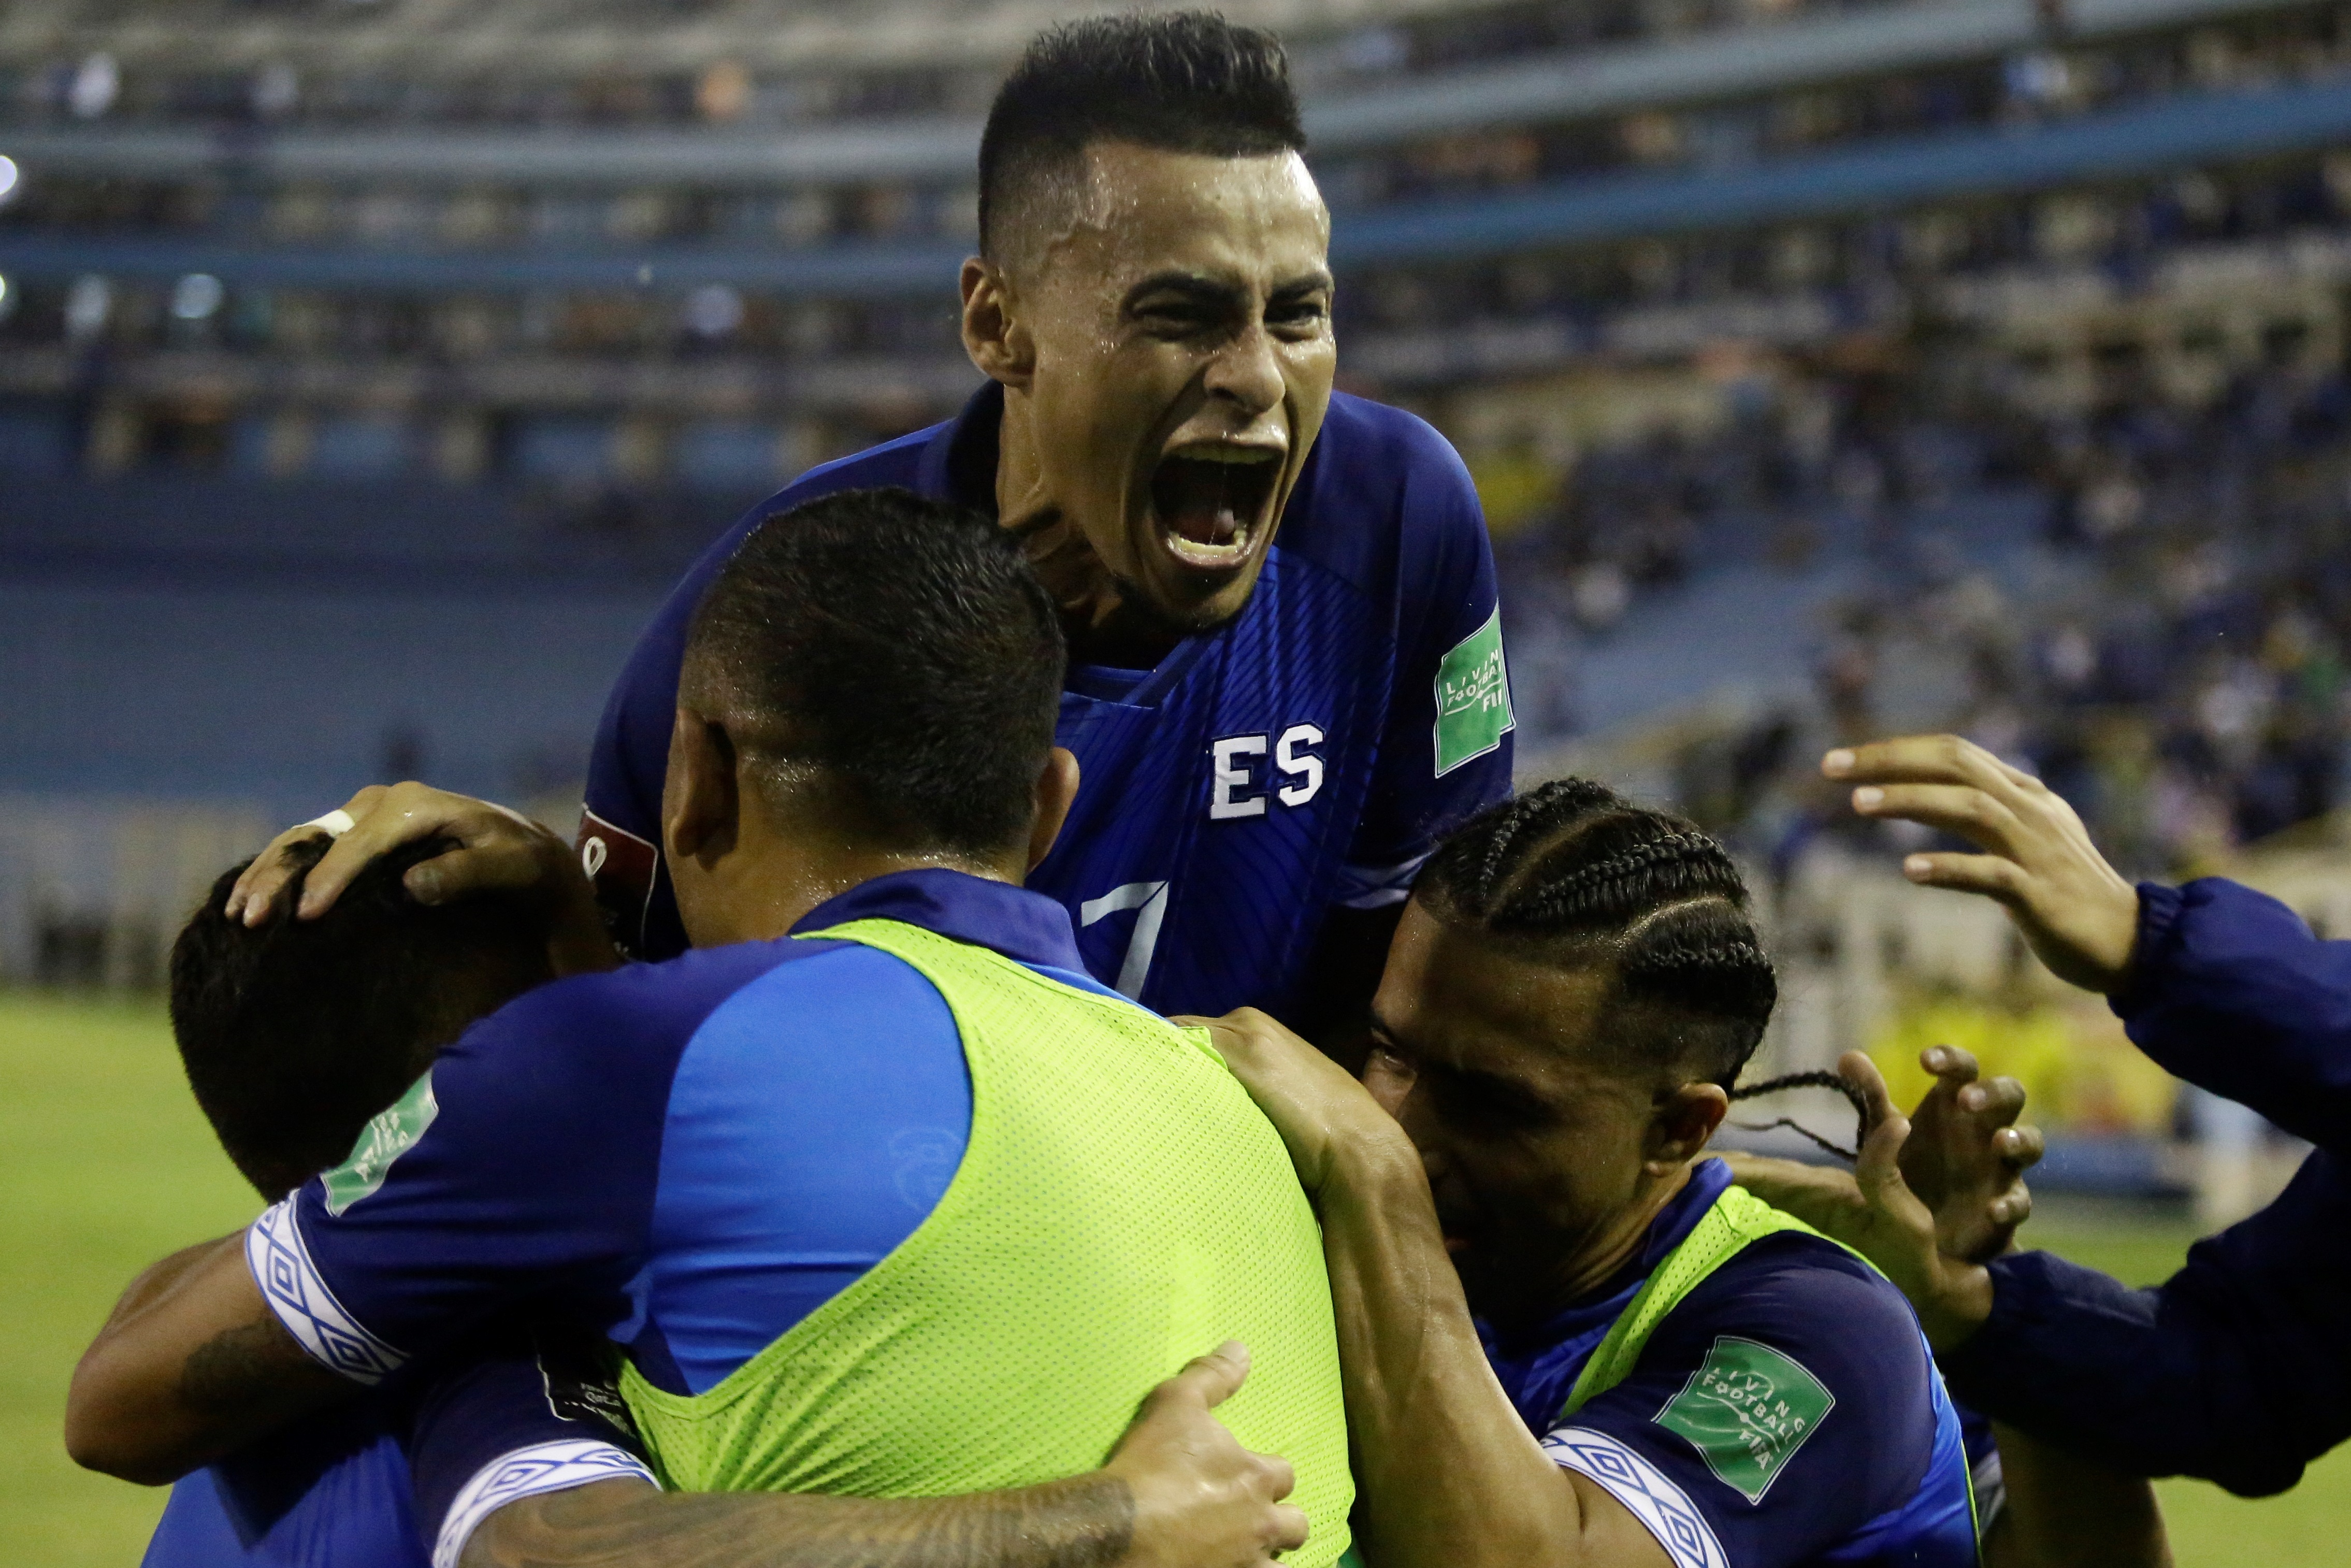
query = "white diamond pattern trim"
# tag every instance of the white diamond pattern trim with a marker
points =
(291, 1285)
(529, 1473)
(1640, 1486)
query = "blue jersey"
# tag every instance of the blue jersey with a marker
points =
(1303, 756)
(2232, 1370)
(1878, 1476)
(399, 1478)
(689, 1156)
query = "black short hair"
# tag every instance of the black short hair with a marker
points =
(1183, 81)
(1575, 875)
(296, 1032)
(902, 645)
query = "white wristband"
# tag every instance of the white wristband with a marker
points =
(335, 823)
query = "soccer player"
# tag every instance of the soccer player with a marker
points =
(896, 1223)
(1286, 668)
(1660, 1369)
(2233, 1369)
(294, 1037)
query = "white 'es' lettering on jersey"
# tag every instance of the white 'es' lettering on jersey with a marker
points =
(1235, 788)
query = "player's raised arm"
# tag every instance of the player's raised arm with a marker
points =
(2078, 914)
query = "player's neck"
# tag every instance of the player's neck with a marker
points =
(1102, 626)
(764, 898)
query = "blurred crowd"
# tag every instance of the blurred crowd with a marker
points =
(2033, 85)
(2164, 642)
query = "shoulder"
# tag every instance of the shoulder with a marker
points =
(1822, 1331)
(619, 1029)
(1814, 1300)
(1386, 489)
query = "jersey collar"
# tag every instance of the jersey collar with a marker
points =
(1026, 927)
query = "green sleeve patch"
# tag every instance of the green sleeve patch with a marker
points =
(389, 1135)
(1473, 697)
(1748, 1410)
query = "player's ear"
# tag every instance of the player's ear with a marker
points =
(1680, 1126)
(1057, 791)
(700, 801)
(998, 343)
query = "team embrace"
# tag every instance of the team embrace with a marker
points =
(1057, 1045)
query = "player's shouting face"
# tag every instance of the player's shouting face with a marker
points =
(1164, 343)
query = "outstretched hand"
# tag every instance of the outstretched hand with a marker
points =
(498, 851)
(1965, 1157)
(2076, 911)
(1873, 1210)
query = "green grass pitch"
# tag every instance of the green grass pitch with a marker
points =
(105, 1166)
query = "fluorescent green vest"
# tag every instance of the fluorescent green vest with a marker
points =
(1737, 1220)
(1122, 1207)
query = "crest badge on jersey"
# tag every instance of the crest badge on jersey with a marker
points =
(389, 1135)
(1748, 1410)
(1473, 697)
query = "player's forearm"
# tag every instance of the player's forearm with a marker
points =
(2067, 1511)
(1087, 1522)
(191, 1366)
(1446, 1474)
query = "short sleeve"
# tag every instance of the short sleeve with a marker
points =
(519, 1411)
(1445, 745)
(522, 1162)
(1786, 1404)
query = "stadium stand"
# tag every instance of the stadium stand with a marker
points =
(1823, 366)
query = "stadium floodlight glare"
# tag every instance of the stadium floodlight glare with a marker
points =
(7, 178)
(196, 297)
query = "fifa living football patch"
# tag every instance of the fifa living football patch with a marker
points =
(1473, 697)
(1748, 1410)
(389, 1135)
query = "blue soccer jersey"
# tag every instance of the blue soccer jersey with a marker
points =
(1870, 1470)
(1306, 755)
(687, 1157)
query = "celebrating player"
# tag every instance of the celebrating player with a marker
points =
(863, 1211)
(294, 1037)
(1686, 1376)
(1287, 665)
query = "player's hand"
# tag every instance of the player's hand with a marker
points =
(1965, 1157)
(2075, 911)
(499, 851)
(1322, 1114)
(1872, 1210)
(1202, 1500)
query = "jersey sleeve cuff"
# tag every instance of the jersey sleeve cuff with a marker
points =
(529, 1473)
(290, 1283)
(1663, 1508)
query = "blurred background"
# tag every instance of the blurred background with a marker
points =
(370, 368)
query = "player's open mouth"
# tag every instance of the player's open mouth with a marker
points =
(1211, 501)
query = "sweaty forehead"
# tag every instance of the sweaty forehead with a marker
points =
(1134, 211)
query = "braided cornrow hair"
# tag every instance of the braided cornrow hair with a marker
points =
(1574, 872)
(1809, 1080)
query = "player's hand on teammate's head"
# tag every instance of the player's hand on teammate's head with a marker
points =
(2076, 911)
(1321, 1112)
(1966, 1156)
(499, 851)
(1202, 1500)
(1873, 1210)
